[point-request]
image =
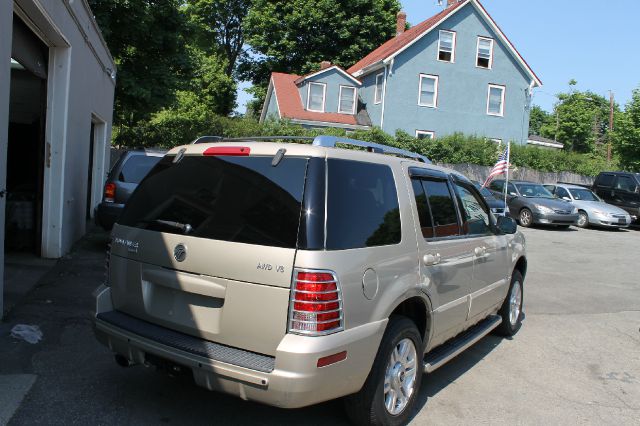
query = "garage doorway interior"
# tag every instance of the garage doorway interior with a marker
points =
(25, 163)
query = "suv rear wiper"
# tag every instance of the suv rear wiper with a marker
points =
(184, 227)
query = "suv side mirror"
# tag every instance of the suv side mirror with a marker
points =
(507, 225)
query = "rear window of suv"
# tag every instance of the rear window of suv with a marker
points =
(236, 199)
(136, 167)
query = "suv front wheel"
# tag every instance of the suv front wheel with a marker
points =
(389, 394)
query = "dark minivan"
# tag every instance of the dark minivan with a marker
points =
(123, 179)
(621, 189)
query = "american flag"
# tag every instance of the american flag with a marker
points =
(501, 166)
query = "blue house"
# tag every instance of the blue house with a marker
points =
(454, 72)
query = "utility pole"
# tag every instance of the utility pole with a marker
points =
(610, 126)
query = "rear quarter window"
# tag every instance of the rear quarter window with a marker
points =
(362, 205)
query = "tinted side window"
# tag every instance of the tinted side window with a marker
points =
(625, 183)
(475, 217)
(136, 167)
(424, 215)
(362, 205)
(497, 185)
(441, 204)
(605, 180)
(511, 189)
(561, 192)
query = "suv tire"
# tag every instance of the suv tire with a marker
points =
(525, 218)
(511, 310)
(369, 405)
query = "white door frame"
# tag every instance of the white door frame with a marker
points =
(99, 171)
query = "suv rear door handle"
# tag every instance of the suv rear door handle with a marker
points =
(431, 259)
(480, 251)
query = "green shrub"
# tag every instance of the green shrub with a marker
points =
(182, 124)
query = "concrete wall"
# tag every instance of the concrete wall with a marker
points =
(480, 173)
(6, 18)
(462, 91)
(333, 79)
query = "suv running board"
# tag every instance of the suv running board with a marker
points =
(446, 352)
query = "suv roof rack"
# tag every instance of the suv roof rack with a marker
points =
(324, 141)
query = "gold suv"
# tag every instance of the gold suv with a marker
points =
(292, 273)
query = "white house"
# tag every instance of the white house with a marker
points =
(57, 81)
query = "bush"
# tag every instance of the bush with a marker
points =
(182, 124)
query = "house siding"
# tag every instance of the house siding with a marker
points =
(462, 89)
(333, 79)
(367, 95)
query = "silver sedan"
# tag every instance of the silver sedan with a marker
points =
(591, 209)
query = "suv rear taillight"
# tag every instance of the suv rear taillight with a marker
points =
(109, 192)
(316, 303)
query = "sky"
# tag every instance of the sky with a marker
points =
(595, 42)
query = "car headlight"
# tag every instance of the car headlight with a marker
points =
(599, 212)
(544, 209)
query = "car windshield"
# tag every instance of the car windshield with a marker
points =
(483, 190)
(533, 190)
(581, 194)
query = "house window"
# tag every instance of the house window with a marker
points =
(428, 91)
(379, 88)
(315, 97)
(347, 103)
(495, 100)
(484, 56)
(425, 134)
(447, 46)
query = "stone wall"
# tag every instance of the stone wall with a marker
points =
(480, 173)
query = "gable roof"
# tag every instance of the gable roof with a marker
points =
(333, 67)
(290, 104)
(390, 49)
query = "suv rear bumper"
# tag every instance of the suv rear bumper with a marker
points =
(291, 379)
(107, 214)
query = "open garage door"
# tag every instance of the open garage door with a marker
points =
(25, 151)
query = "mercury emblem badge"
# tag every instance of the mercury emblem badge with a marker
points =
(180, 252)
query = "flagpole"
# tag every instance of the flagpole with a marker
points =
(506, 176)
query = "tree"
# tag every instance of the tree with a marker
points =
(145, 39)
(294, 36)
(626, 136)
(217, 27)
(540, 119)
(581, 120)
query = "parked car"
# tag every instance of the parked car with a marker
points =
(292, 274)
(621, 189)
(591, 209)
(495, 203)
(531, 203)
(123, 178)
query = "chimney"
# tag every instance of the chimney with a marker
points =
(401, 22)
(451, 2)
(324, 65)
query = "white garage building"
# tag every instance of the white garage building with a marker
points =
(57, 81)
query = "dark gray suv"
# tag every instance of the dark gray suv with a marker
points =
(531, 203)
(124, 177)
